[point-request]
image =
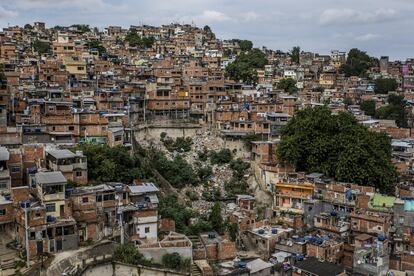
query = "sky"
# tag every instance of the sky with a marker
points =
(380, 27)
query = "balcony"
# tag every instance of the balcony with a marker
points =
(65, 168)
(53, 197)
(80, 166)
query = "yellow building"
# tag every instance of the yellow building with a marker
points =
(327, 79)
(74, 66)
(51, 191)
(290, 195)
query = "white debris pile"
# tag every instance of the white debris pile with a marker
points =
(221, 174)
(207, 140)
(202, 206)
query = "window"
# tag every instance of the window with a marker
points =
(2, 212)
(83, 117)
(99, 198)
(3, 185)
(85, 199)
(71, 128)
(147, 229)
(15, 169)
(51, 207)
(80, 68)
(78, 173)
(109, 197)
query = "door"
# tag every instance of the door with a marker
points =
(62, 210)
(39, 246)
(58, 245)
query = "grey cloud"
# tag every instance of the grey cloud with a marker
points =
(351, 16)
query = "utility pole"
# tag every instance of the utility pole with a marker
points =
(121, 220)
(26, 206)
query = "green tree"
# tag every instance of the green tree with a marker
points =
(383, 86)
(41, 47)
(207, 29)
(28, 27)
(295, 54)
(181, 144)
(395, 110)
(128, 253)
(147, 42)
(338, 146)
(82, 28)
(134, 40)
(244, 68)
(215, 218)
(177, 171)
(288, 85)
(173, 261)
(357, 63)
(368, 107)
(95, 45)
(245, 45)
(239, 168)
(348, 101)
(106, 164)
(221, 157)
(233, 230)
(169, 207)
(204, 173)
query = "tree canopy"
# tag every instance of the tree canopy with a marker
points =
(383, 85)
(317, 141)
(97, 45)
(216, 219)
(245, 45)
(295, 54)
(169, 207)
(395, 110)
(357, 63)
(288, 85)
(41, 47)
(368, 107)
(175, 261)
(82, 28)
(244, 68)
(106, 164)
(135, 40)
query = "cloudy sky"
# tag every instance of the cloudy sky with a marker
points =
(380, 27)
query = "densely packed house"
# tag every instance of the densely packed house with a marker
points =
(61, 86)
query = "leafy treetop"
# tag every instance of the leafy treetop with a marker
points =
(357, 63)
(339, 147)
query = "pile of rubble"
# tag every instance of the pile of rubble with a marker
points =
(221, 174)
(202, 206)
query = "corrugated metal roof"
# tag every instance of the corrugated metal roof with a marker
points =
(144, 188)
(50, 178)
(4, 154)
(61, 154)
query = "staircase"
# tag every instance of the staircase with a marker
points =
(195, 271)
